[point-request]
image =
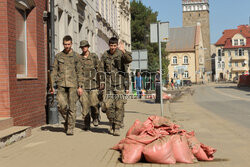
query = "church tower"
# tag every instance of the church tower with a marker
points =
(195, 11)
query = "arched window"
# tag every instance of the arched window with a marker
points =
(185, 60)
(23, 8)
(174, 60)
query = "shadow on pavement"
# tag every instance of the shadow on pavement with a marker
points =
(246, 89)
(52, 129)
(133, 112)
(79, 124)
(99, 130)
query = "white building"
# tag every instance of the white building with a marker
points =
(92, 20)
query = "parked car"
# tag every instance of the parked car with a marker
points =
(235, 79)
(187, 83)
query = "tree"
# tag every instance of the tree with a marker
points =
(141, 18)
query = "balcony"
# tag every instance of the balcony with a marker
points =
(239, 57)
(237, 69)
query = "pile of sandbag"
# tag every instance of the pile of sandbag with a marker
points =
(161, 141)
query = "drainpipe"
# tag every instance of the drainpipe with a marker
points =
(52, 111)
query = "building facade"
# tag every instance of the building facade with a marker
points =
(232, 53)
(186, 54)
(106, 23)
(92, 20)
(124, 21)
(77, 19)
(23, 62)
(195, 11)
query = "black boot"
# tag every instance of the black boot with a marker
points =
(86, 125)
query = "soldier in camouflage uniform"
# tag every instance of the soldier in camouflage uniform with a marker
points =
(89, 99)
(66, 74)
(113, 63)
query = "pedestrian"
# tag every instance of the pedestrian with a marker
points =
(89, 99)
(158, 87)
(113, 63)
(138, 84)
(178, 83)
(66, 74)
(172, 83)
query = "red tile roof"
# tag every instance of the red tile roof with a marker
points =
(227, 36)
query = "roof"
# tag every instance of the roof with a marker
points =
(181, 39)
(227, 36)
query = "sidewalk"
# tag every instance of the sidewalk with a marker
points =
(49, 146)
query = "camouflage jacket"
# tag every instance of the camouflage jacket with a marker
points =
(66, 70)
(114, 67)
(89, 70)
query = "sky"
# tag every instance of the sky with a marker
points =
(224, 14)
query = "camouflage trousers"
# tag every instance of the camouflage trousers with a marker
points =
(67, 98)
(90, 102)
(114, 106)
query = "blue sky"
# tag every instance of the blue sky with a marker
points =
(224, 14)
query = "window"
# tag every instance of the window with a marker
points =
(223, 65)
(21, 43)
(240, 52)
(235, 42)
(175, 74)
(242, 42)
(186, 74)
(229, 53)
(230, 64)
(236, 64)
(219, 52)
(24, 53)
(243, 64)
(219, 65)
(223, 53)
(219, 55)
(185, 60)
(230, 75)
(174, 60)
(236, 52)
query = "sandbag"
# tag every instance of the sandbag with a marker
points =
(144, 138)
(208, 156)
(135, 129)
(200, 151)
(121, 144)
(132, 153)
(160, 151)
(181, 151)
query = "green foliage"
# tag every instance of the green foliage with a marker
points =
(141, 18)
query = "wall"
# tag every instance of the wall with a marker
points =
(23, 99)
(190, 65)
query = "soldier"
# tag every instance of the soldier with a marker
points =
(113, 63)
(66, 74)
(89, 98)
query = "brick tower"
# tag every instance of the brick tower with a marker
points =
(198, 11)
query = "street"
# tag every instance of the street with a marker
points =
(225, 100)
(214, 120)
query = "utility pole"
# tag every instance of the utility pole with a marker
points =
(159, 43)
(159, 33)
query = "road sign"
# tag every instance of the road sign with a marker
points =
(140, 60)
(163, 32)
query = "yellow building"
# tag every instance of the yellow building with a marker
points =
(232, 53)
(186, 54)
